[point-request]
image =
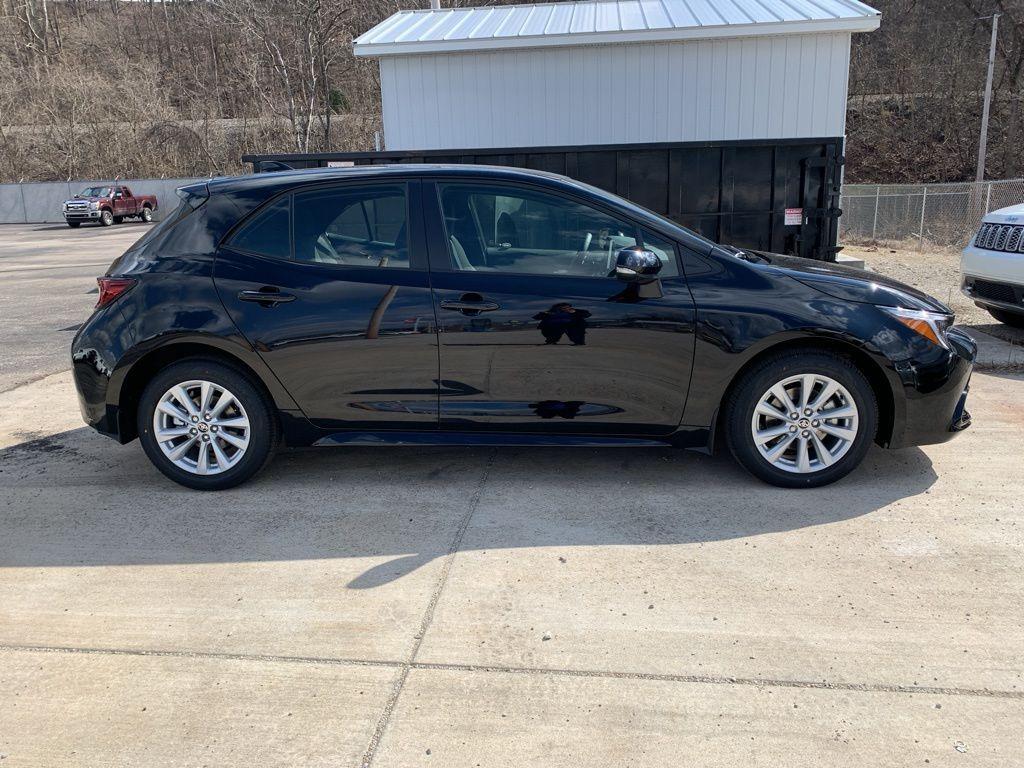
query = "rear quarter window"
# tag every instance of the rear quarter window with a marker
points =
(268, 232)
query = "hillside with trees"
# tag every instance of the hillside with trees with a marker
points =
(103, 88)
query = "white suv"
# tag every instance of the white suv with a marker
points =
(992, 266)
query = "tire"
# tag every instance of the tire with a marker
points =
(74, 224)
(106, 219)
(147, 214)
(1014, 319)
(248, 403)
(824, 457)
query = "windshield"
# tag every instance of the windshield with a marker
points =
(94, 192)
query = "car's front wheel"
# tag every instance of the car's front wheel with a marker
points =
(106, 218)
(1015, 319)
(205, 425)
(801, 419)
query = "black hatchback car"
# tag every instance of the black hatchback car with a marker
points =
(492, 306)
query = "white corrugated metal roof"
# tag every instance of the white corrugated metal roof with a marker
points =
(590, 22)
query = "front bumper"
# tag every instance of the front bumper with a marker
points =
(993, 278)
(81, 215)
(936, 395)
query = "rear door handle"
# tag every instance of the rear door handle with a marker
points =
(470, 306)
(266, 297)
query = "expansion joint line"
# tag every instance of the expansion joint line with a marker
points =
(428, 617)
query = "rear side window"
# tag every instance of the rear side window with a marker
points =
(267, 233)
(352, 226)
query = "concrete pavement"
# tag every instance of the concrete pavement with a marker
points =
(573, 608)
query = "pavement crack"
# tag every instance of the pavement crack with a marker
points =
(428, 617)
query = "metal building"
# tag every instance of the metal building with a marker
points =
(615, 72)
(726, 115)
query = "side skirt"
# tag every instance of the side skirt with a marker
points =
(484, 439)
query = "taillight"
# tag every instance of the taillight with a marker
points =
(113, 287)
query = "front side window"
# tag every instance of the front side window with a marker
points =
(508, 229)
(358, 227)
(665, 250)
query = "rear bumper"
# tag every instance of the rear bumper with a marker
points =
(936, 395)
(92, 379)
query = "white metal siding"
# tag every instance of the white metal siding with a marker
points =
(786, 86)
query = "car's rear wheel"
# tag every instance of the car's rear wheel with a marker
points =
(1015, 319)
(147, 213)
(106, 219)
(206, 425)
(801, 419)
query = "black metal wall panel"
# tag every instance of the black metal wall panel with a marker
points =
(734, 192)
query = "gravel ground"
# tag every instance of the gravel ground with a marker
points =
(937, 273)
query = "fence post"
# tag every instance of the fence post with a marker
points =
(24, 207)
(874, 223)
(988, 199)
(924, 202)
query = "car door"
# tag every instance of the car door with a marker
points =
(534, 332)
(119, 202)
(341, 309)
(128, 202)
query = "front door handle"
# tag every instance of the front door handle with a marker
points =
(467, 307)
(266, 297)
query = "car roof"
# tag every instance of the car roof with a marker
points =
(312, 175)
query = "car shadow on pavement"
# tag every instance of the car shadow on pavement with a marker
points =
(76, 499)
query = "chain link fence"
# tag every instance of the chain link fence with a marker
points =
(925, 215)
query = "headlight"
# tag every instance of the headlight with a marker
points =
(64, 206)
(931, 325)
(94, 206)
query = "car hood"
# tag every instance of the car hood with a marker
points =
(1012, 215)
(85, 199)
(854, 284)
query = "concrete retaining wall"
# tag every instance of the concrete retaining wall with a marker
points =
(40, 202)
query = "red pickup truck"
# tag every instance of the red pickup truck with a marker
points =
(108, 205)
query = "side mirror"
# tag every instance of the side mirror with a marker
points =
(636, 264)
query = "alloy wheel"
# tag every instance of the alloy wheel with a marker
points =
(805, 423)
(201, 427)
